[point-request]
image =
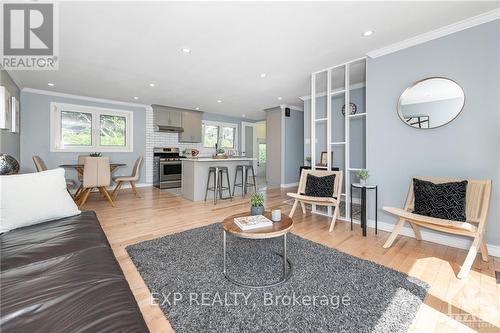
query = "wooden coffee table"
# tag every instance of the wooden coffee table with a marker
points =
(278, 229)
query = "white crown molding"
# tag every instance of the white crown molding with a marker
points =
(83, 98)
(438, 33)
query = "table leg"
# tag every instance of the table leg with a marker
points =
(351, 206)
(363, 210)
(285, 261)
(224, 250)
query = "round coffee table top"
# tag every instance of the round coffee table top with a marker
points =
(277, 229)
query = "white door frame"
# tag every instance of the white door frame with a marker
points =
(244, 124)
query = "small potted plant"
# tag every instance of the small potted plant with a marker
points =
(96, 154)
(308, 160)
(363, 175)
(257, 204)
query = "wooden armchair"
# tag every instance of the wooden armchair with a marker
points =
(333, 201)
(477, 204)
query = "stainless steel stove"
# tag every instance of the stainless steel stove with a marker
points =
(167, 171)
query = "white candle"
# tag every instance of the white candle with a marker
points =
(276, 215)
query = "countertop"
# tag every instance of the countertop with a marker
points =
(209, 159)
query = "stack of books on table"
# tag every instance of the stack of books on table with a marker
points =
(246, 223)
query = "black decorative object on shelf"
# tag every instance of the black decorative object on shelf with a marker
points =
(8, 165)
(353, 108)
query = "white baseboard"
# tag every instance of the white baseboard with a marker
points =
(429, 235)
(289, 185)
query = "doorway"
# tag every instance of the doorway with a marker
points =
(253, 144)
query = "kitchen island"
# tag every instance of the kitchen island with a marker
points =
(195, 174)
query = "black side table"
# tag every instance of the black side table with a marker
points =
(363, 188)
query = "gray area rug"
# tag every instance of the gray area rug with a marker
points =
(329, 291)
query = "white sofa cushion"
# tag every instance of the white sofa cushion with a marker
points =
(33, 198)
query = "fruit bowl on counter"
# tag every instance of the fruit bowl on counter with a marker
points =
(220, 156)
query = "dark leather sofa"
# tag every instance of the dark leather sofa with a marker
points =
(62, 276)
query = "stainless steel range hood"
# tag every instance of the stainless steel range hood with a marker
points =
(167, 119)
(170, 129)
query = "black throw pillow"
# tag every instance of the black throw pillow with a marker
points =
(444, 201)
(319, 186)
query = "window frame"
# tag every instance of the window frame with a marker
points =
(219, 125)
(96, 112)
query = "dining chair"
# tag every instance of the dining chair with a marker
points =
(80, 161)
(97, 174)
(119, 180)
(41, 166)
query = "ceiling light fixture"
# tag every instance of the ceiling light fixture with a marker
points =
(197, 108)
(219, 101)
(244, 115)
(136, 98)
(280, 98)
(186, 50)
(367, 33)
(151, 85)
(262, 75)
(50, 84)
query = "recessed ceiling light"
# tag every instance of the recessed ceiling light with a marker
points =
(197, 108)
(151, 85)
(219, 101)
(51, 84)
(367, 33)
(136, 98)
(244, 115)
(280, 98)
(186, 50)
(262, 75)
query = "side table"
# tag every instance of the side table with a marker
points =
(363, 188)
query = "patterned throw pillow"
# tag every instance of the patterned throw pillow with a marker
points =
(320, 186)
(444, 201)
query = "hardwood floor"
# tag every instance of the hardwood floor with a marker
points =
(451, 305)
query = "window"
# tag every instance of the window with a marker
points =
(224, 134)
(76, 128)
(210, 135)
(227, 139)
(262, 153)
(113, 130)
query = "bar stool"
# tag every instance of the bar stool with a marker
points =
(244, 179)
(218, 173)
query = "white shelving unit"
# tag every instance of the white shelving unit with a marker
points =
(335, 82)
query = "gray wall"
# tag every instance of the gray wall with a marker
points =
(468, 147)
(273, 146)
(35, 138)
(294, 146)
(10, 142)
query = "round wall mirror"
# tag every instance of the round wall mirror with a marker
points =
(431, 103)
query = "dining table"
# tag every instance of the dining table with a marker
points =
(79, 167)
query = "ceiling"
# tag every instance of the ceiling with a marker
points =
(114, 50)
